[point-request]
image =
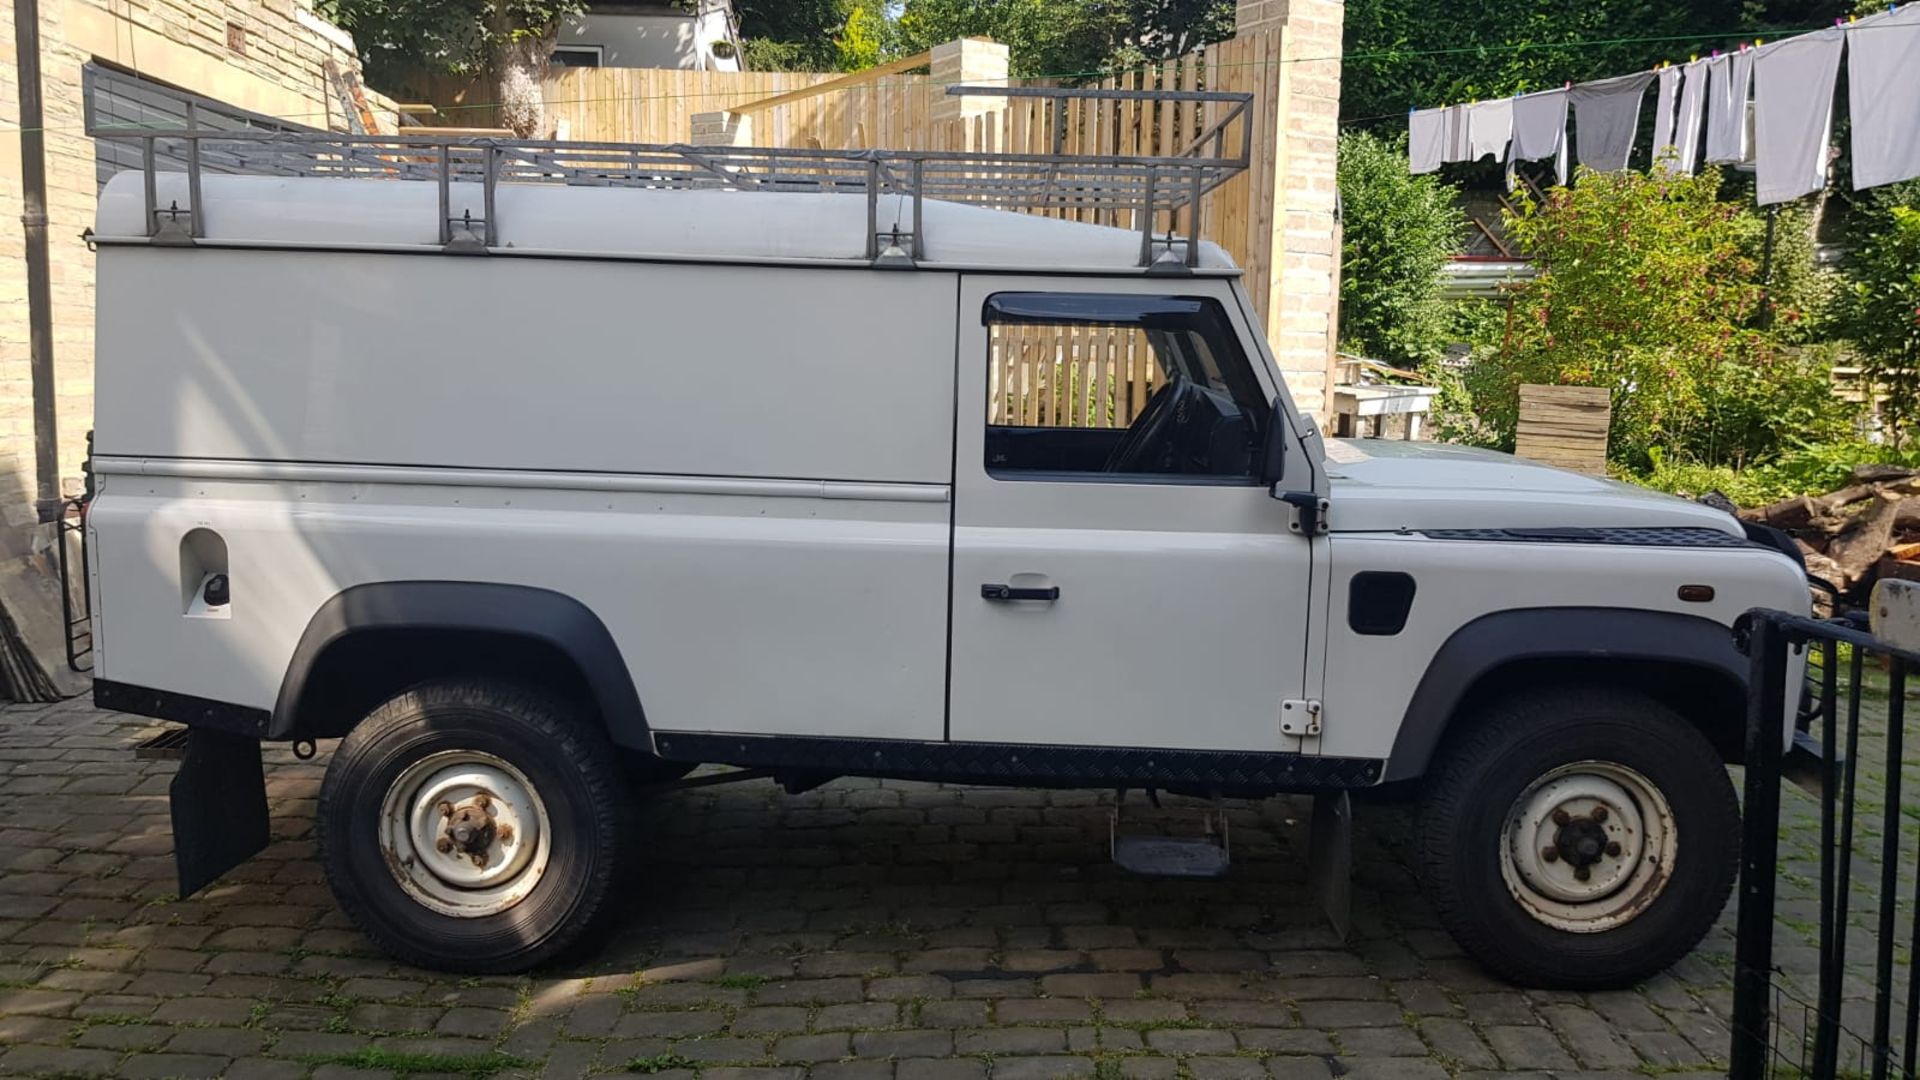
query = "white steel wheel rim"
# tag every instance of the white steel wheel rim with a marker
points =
(483, 857)
(1598, 816)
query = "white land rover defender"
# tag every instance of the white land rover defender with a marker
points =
(539, 474)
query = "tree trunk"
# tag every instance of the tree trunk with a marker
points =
(520, 63)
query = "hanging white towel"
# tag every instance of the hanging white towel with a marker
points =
(1686, 122)
(1793, 113)
(1489, 129)
(1668, 79)
(1426, 139)
(1540, 129)
(1457, 142)
(1883, 96)
(1605, 116)
(1727, 93)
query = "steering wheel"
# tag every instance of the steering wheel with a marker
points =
(1144, 434)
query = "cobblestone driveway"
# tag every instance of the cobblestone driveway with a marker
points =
(863, 931)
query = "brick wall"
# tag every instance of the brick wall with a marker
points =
(267, 56)
(1302, 321)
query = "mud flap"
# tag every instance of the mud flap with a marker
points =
(219, 800)
(1330, 858)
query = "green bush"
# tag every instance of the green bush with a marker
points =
(1399, 231)
(1649, 285)
(1879, 310)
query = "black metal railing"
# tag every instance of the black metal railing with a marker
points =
(1841, 1003)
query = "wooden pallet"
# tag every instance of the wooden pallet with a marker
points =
(1565, 426)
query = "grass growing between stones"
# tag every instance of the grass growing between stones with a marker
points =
(659, 1063)
(404, 1064)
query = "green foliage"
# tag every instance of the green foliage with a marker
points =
(1879, 309)
(1645, 287)
(404, 1064)
(1498, 47)
(1811, 469)
(398, 37)
(1075, 40)
(1800, 293)
(793, 35)
(867, 38)
(1399, 231)
(661, 1063)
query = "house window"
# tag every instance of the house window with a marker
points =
(577, 56)
(1119, 385)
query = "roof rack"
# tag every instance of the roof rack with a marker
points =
(1144, 186)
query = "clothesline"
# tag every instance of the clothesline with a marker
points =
(1768, 105)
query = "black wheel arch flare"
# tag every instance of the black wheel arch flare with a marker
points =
(551, 619)
(1635, 640)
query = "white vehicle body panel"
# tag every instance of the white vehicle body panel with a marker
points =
(1373, 679)
(1383, 484)
(1184, 608)
(526, 364)
(768, 546)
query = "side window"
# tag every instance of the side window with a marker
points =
(1095, 385)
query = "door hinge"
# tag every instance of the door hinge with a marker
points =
(1300, 716)
(1309, 512)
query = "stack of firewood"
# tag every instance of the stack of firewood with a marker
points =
(1853, 537)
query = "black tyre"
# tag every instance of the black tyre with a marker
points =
(474, 826)
(1582, 839)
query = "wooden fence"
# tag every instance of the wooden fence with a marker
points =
(1096, 378)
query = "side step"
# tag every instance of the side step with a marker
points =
(169, 745)
(1208, 855)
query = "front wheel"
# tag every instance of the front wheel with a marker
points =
(1579, 839)
(474, 826)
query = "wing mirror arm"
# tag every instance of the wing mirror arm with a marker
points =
(1309, 509)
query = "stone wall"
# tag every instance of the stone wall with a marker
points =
(1303, 321)
(267, 56)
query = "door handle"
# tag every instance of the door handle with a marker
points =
(1004, 593)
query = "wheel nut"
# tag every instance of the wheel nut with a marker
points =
(1599, 813)
(482, 801)
(1560, 817)
(1582, 873)
(446, 809)
(443, 845)
(1613, 849)
(1550, 854)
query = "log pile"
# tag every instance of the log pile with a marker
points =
(1867, 530)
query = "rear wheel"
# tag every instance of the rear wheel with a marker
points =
(470, 825)
(1579, 839)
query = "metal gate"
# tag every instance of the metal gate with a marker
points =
(1839, 1001)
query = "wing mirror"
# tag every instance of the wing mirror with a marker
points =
(1273, 463)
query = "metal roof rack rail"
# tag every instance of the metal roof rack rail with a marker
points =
(1146, 186)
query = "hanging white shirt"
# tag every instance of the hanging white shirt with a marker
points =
(1457, 141)
(1793, 113)
(1686, 121)
(1668, 80)
(1540, 129)
(1727, 93)
(1883, 96)
(1426, 139)
(1489, 129)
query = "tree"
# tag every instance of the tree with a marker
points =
(511, 39)
(794, 35)
(1074, 40)
(1879, 310)
(1406, 54)
(1399, 231)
